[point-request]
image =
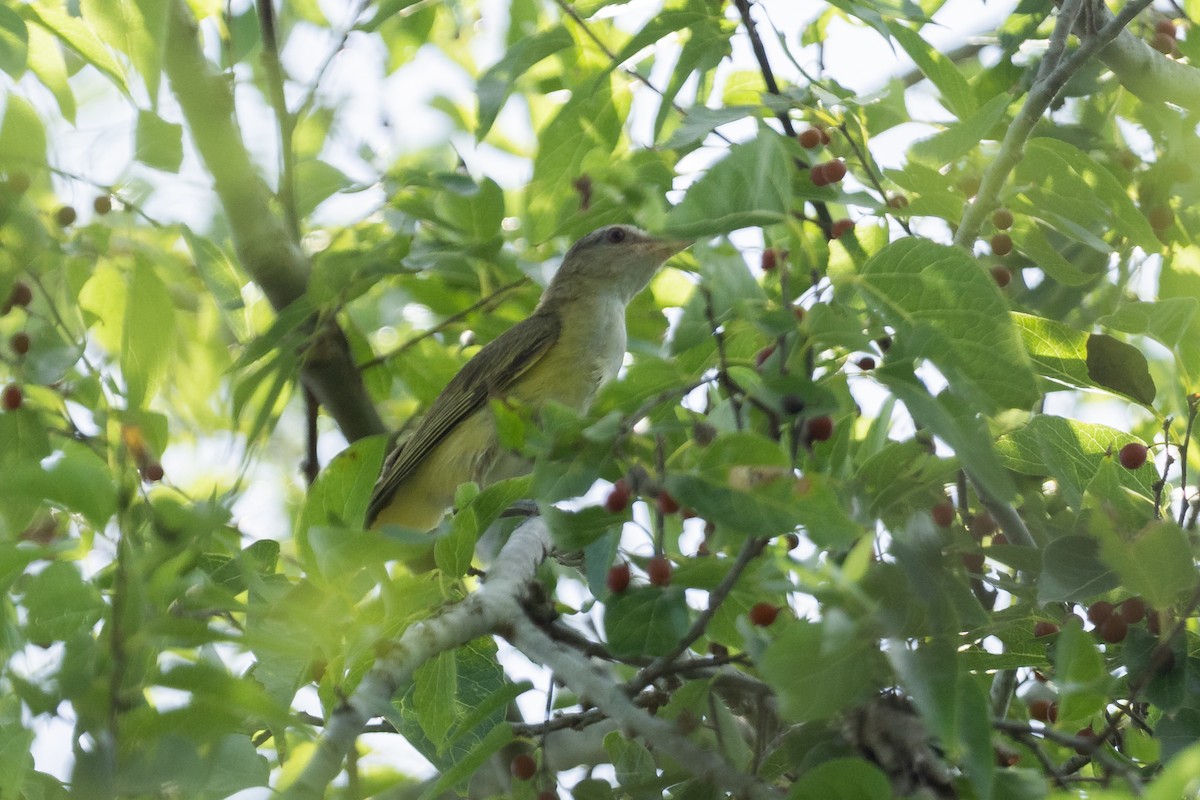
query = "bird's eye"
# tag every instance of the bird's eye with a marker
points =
(615, 235)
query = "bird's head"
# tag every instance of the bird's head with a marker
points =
(615, 258)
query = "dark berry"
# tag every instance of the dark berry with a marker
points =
(65, 215)
(1002, 218)
(1099, 611)
(820, 429)
(898, 201)
(983, 525)
(835, 170)
(866, 363)
(792, 540)
(1161, 218)
(840, 228)
(667, 504)
(102, 204)
(1043, 628)
(1002, 244)
(659, 570)
(1132, 610)
(12, 397)
(618, 578)
(770, 259)
(1132, 455)
(19, 343)
(1163, 43)
(809, 138)
(791, 403)
(21, 295)
(943, 514)
(1087, 741)
(18, 183)
(763, 614)
(523, 767)
(618, 497)
(1166, 26)
(1001, 274)
(153, 472)
(1113, 629)
(1043, 710)
(973, 562)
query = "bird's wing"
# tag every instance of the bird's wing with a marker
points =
(490, 373)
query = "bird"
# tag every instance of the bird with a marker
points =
(569, 346)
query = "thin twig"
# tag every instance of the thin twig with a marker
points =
(287, 123)
(1193, 402)
(751, 548)
(722, 361)
(1168, 461)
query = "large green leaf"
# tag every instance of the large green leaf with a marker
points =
(1077, 359)
(818, 669)
(950, 311)
(939, 68)
(750, 186)
(495, 85)
(148, 334)
(646, 621)
(14, 43)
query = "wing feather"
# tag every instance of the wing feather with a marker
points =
(489, 374)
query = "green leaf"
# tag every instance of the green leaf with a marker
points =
(575, 530)
(1177, 778)
(841, 779)
(1029, 236)
(22, 136)
(58, 602)
(1119, 367)
(148, 335)
(46, 61)
(316, 182)
(959, 139)
(1156, 563)
(14, 43)
(834, 654)
(941, 71)
(947, 309)
(1071, 452)
(158, 143)
(929, 674)
(636, 769)
(1077, 196)
(645, 621)
(136, 28)
(1166, 321)
(435, 688)
(1073, 572)
(1080, 675)
(494, 86)
(751, 186)
(75, 34)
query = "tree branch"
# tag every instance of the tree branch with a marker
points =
(261, 239)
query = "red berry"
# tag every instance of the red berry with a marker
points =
(999, 538)
(1043, 710)
(835, 170)
(667, 504)
(102, 204)
(816, 174)
(840, 228)
(809, 138)
(65, 215)
(1161, 218)
(659, 570)
(523, 767)
(763, 614)
(825, 135)
(866, 363)
(1088, 741)
(1167, 27)
(1163, 43)
(770, 259)
(618, 578)
(943, 514)
(1113, 629)
(1002, 244)
(618, 498)
(1002, 218)
(21, 294)
(12, 397)
(1132, 610)
(1132, 455)
(819, 429)
(153, 472)
(1043, 628)
(1099, 611)
(761, 357)
(19, 343)
(1002, 275)
(983, 525)
(547, 795)
(973, 562)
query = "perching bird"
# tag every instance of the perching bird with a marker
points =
(572, 343)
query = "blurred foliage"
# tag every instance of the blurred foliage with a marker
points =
(813, 402)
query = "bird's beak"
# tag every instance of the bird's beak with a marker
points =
(665, 248)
